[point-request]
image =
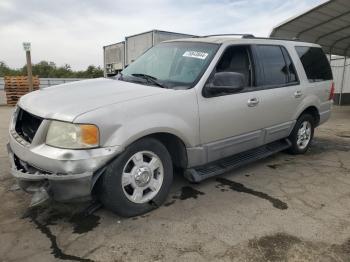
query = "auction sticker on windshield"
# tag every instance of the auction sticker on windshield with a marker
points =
(196, 54)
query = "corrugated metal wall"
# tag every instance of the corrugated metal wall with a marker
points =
(137, 45)
(160, 36)
(114, 56)
(338, 74)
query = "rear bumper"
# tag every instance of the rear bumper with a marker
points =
(324, 116)
(325, 110)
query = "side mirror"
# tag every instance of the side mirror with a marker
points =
(227, 82)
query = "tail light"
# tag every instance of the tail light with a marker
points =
(331, 93)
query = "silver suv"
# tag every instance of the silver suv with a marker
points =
(205, 105)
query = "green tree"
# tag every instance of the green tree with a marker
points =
(6, 71)
(43, 69)
(94, 71)
(49, 69)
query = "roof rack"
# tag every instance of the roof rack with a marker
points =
(242, 35)
(251, 36)
(274, 38)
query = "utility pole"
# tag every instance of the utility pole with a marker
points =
(26, 46)
(342, 81)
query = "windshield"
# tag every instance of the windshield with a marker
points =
(171, 64)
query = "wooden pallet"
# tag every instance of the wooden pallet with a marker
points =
(17, 86)
(20, 88)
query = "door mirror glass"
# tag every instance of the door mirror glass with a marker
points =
(227, 82)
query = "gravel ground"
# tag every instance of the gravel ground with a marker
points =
(283, 208)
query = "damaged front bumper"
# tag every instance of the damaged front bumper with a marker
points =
(61, 174)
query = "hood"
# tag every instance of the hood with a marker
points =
(66, 102)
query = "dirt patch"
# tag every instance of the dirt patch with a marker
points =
(274, 166)
(274, 247)
(285, 247)
(344, 134)
(322, 145)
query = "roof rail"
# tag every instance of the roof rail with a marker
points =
(251, 36)
(243, 35)
(274, 38)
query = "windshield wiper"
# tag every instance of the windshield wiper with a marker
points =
(150, 79)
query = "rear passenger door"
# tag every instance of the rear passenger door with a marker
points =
(280, 92)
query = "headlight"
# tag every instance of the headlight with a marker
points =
(72, 136)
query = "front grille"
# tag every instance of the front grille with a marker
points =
(27, 125)
(27, 168)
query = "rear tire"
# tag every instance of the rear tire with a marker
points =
(138, 180)
(302, 134)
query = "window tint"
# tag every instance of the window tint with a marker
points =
(236, 59)
(290, 66)
(315, 63)
(273, 65)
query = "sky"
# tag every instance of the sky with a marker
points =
(73, 32)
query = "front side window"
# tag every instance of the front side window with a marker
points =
(172, 64)
(315, 63)
(236, 59)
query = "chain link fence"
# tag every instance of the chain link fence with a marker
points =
(46, 82)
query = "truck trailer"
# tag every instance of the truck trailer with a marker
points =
(119, 55)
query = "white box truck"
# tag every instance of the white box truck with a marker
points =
(114, 58)
(119, 55)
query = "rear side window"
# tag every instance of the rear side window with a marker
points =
(315, 63)
(277, 67)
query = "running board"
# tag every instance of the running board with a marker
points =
(200, 173)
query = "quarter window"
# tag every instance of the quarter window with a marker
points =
(315, 63)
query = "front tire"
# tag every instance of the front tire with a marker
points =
(302, 134)
(138, 180)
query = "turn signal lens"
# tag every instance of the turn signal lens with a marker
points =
(89, 135)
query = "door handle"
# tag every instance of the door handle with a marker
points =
(298, 94)
(253, 102)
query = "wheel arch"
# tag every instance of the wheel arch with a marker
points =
(175, 146)
(314, 112)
